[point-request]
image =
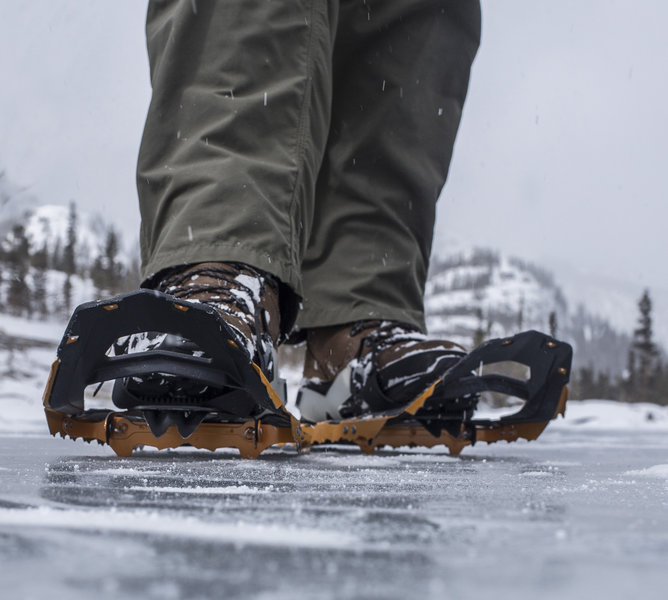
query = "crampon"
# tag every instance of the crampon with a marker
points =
(225, 401)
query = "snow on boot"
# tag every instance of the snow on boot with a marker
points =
(368, 368)
(245, 297)
(247, 300)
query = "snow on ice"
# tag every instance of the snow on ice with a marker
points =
(579, 513)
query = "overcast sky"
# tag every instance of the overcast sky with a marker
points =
(566, 133)
(561, 157)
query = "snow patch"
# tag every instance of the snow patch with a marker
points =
(154, 523)
(357, 461)
(127, 472)
(199, 490)
(607, 414)
(657, 471)
(42, 331)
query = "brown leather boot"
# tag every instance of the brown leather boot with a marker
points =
(245, 297)
(369, 367)
(247, 300)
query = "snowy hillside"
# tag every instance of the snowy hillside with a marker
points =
(46, 228)
(474, 294)
(27, 349)
(58, 294)
(54, 257)
(480, 289)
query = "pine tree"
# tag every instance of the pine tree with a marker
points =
(19, 247)
(40, 264)
(643, 345)
(18, 261)
(56, 259)
(479, 333)
(107, 271)
(644, 357)
(520, 315)
(553, 324)
(40, 258)
(115, 274)
(18, 292)
(69, 252)
(67, 295)
(39, 294)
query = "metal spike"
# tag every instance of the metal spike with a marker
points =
(158, 421)
(187, 422)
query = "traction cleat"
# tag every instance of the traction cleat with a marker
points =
(186, 422)
(218, 397)
(231, 389)
(246, 299)
(443, 413)
(369, 368)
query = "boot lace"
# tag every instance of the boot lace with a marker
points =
(236, 292)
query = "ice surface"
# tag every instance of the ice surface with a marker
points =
(580, 513)
(179, 525)
(577, 514)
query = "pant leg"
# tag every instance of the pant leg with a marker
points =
(235, 131)
(401, 71)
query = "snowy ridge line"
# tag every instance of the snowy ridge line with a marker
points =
(154, 523)
(46, 226)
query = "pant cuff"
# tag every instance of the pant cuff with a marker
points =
(286, 273)
(314, 316)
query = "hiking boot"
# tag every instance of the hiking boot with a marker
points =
(369, 367)
(246, 299)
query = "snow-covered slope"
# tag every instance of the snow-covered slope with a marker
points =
(482, 289)
(27, 349)
(475, 293)
(33, 250)
(47, 227)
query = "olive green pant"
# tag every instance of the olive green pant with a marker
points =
(308, 138)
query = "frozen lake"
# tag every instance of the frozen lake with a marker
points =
(577, 514)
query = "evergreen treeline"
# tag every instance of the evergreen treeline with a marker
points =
(608, 364)
(645, 375)
(39, 282)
